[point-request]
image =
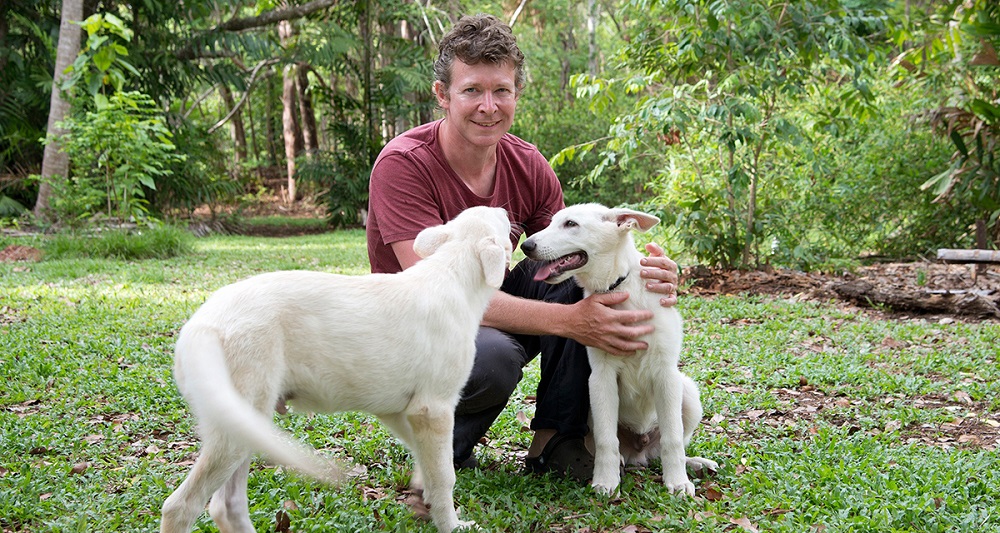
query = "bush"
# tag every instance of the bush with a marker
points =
(158, 242)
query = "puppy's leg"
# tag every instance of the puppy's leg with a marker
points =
(604, 413)
(433, 424)
(400, 427)
(230, 507)
(692, 413)
(216, 464)
(669, 413)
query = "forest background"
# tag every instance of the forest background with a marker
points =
(803, 134)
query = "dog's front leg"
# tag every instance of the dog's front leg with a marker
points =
(604, 414)
(669, 414)
(432, 426)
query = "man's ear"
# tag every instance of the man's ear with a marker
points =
(628, 219)
(429, 240)
(493, 258)
(441, 93)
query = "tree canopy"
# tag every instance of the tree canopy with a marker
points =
(761, 130)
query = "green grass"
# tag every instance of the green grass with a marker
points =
(823, 419)
(160, 242)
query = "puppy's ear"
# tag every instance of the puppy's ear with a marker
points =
(429, 240)
(493, 258)
(628, 219)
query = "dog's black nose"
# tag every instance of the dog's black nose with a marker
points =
(528, 246)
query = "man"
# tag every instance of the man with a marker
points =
(429, 174)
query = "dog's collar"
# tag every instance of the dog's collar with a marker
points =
(617, 283)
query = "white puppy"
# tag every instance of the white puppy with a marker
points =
(593, 244)
(400, 346)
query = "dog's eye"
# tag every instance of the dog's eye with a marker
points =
(569, 224)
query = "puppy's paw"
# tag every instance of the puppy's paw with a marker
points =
(604, 488)
(702, 467)
(685, 487)
(467, 525)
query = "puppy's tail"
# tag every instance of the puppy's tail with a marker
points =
(225, 415)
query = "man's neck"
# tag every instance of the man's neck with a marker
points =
(474, 165)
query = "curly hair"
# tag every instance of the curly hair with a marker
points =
(476, 39)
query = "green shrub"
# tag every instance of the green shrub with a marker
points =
(159, 242)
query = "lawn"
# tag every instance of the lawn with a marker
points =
(823, 418)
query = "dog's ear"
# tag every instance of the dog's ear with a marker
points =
(430, 239)
(493, 259)
(628, 219)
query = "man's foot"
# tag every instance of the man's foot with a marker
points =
(563, 456)
(467, 463)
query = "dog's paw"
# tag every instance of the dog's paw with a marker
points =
(686, 488)
(607, 488)
(467, 525)
(702, 467)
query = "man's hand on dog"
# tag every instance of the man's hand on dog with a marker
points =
(615, 331)
(660, 273)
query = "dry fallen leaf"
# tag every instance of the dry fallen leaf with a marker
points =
(745, 524)
(282, 522)
(79, 468)
(713, 494)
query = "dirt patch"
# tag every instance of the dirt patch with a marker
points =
(17, 252)
(972, 424)
(893, 289)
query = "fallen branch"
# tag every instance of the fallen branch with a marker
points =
(963, 302)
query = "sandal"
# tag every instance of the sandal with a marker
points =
(563, 456)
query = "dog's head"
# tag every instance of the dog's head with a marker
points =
(578, 234)
(485, 229)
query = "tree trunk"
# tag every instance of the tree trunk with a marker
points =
(237, 130)
(310, 137)
(290, 129)
(55, 162)
(270, 131)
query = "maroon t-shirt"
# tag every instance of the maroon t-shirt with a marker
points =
(412, 187)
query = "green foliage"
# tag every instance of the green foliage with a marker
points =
(27, 55)
(154, 242)
(354, 134)
(714, 87)
(116, 153)
(343, 178)
(198, 178)
(963, 50)
(101, 67)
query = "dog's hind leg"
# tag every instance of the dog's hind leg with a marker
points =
(401, 428)
(691, 413)
(433, 424)
(230, 507)
(213, 468)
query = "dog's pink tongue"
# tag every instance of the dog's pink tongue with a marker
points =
(545, 271)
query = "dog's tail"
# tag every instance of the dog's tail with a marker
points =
(220, 407)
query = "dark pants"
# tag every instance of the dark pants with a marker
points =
(562, 399)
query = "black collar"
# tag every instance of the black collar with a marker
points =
(617, 283)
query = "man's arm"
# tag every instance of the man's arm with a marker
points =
(591, 321)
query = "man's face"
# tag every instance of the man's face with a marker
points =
(480, 102)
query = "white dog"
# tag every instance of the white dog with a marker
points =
(400, 346)
(593, 244)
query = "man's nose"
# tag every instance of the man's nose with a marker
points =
(488, 104)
